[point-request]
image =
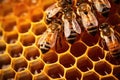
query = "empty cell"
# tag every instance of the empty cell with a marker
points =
(20, 9)
(67, 60)
(5, 61)
(90, 76)
(84, 64)
(108, 78)
(27, 39)
(23, 25)
(73, 74)
(77, 49)
(15, 50)
(31, 53)
(2, 47)
(55, 71)
(95, 53)
(116, 72)
(19, 64)
(36, 67)
(39, 28)
(112, 60)
(103, 68)
(36, 14)
(24, 75)
(41, 77)
(89, 39)
(8, 74)
(9, 23)
(11, 38)
(50, 57)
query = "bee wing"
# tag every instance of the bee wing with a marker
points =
(98, 6)
(76, 26)
(52, 10)
(106, 2)
(85, 20)
(67, 30)
(93, 19)
(43, 37)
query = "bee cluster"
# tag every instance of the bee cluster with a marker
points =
(69, 16)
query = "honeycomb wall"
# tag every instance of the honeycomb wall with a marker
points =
(22, 24)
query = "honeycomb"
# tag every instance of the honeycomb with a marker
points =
(22, 24)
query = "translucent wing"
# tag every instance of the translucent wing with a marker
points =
(76, 26)
(67, 30)
(52, 10)
(93, 19)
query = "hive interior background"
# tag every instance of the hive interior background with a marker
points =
(21, 25)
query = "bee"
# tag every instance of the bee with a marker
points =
(49, 37)
(111, 40)
(102, 6)
(88, 19)
(57, 7)
(71, 26)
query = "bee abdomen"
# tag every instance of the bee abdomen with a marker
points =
(116, 53)
(45, 47)
(93, 31)
(71, 39)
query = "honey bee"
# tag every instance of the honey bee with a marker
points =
(111, 40)
(49, 37)
(71, 26)
(88, 19)
(57, 7)
(102, 6)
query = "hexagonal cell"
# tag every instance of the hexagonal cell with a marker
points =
(116, 72)
(90, 76)
(112, 60)
(95, 53)
(36, 14)
(15, 50)
(36, 67)
(108, 78)
(9, 23)
(41, 77)
(27, 39)
(8, 74)
(103, 68)
(67, 60)
(2, 47)
(23, 25)
(50, 57)
(84, 64)
(11, 38)
(19, 64)
(5, 61)
(31, 53)
(77, 49)
(55, 71)
(73, 74)
(20, 9)
(39, 28)
(89, 39)
(24, 75)
(31, 3)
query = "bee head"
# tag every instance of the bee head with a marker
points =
(85, 7)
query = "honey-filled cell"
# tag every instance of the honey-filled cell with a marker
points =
(2, 47)
(41, 77)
